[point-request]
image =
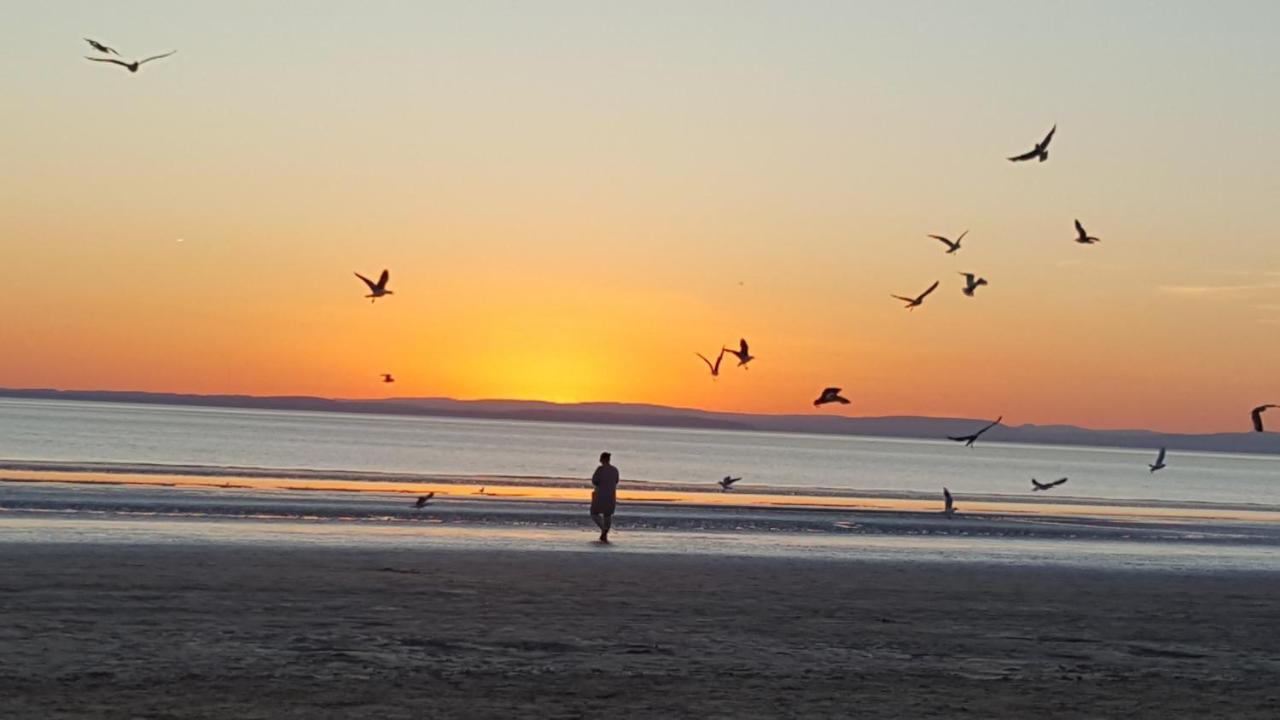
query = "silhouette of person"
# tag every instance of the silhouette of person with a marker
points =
(604, 498)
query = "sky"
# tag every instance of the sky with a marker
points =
(575, 197)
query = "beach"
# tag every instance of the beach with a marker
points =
(172, 630)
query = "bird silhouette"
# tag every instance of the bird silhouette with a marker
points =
(714, 367)
(913, 303)
(727, 482)
(948, 503)
(100, 47)
(1257, 416)
(830, 395)
(971, 283)
(952, 245)
(1036, 485)
(423, 500)
(1040, 151)
(1083, 237)
(742, 353)
(377, 289)
(969, 440)
(1159, 463)
(130, 66)
(386, 378)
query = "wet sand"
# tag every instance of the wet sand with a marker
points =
(124, 631)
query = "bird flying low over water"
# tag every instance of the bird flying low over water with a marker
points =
(742, 353)
(423, 500)
(1159, 463)
(969, 440)
(913, 303)
(714, 367)
(971, 283)
(948, 503)
(1256, 414)
(830, 395)
(100, 47)
(1036, 485)
(952, 245)
(1040, 151)
(130, 66)
(377, 289)
(1083, 237)
(386, 378)
(727, 482)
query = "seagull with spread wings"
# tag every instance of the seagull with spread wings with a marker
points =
(952, 245)
(1037, 485)
(1159, 463)
(422, 501)
(387, 378)
(713, 367)
(969, 440)
(913, 303)
(100, 47)
(377, 289)
(1083, 237)
(1040, 151)
(830, 395)
(971, 283)
(742, 353)
(130, 66)
(727, 482)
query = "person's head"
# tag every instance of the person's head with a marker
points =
(604, 458)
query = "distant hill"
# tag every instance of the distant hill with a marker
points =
(662, 416)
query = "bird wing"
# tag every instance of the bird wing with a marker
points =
(966, 232)
(1256, 414)
(1057, 482)
(708, 362)
(943, 240)
(157, 57)
(383, 278)
(1160, 457)
(367, 281)
(1045, 142)
(925, 294)
(716, 367)
(830, 391)
(1080, 229)
(993, 424)
(1025, 156)
(113, 61)
(968, 278)
(961, 438)
(903, 299)
(742, 343)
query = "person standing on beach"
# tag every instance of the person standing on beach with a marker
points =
(604, 498)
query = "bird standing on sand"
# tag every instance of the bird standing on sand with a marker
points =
(130, 66)
(1036, 485)
(742, 353)
(100, 47)
(969, 440)
(830, 395)
(727, 482)
(377, 289)
(423, 500)
(971, 283)
(948, 503)
(1159, 463)
(913, 303)
(714, 367)
(952, 245)
(1083, 237)
(1040, 151)
(1256, 414)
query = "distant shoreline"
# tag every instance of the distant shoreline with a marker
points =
(602, 413)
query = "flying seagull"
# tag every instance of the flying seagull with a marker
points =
(715, 367)
(377, 289)
(971, 283)
(423, 500)
(1159, 463)
(830, 395)
(1036, 485)
(1257, 416)
(949, 504)
(744, 356)
(952, 245)
(969, 440)
(728, 482)
(130, 66)
(100, 47)
(1040, 151)
(386, 378)
(913, 303)
(1083, 237)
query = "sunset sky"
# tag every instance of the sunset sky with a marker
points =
(574, 197)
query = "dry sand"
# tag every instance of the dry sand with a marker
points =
(234, 632)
